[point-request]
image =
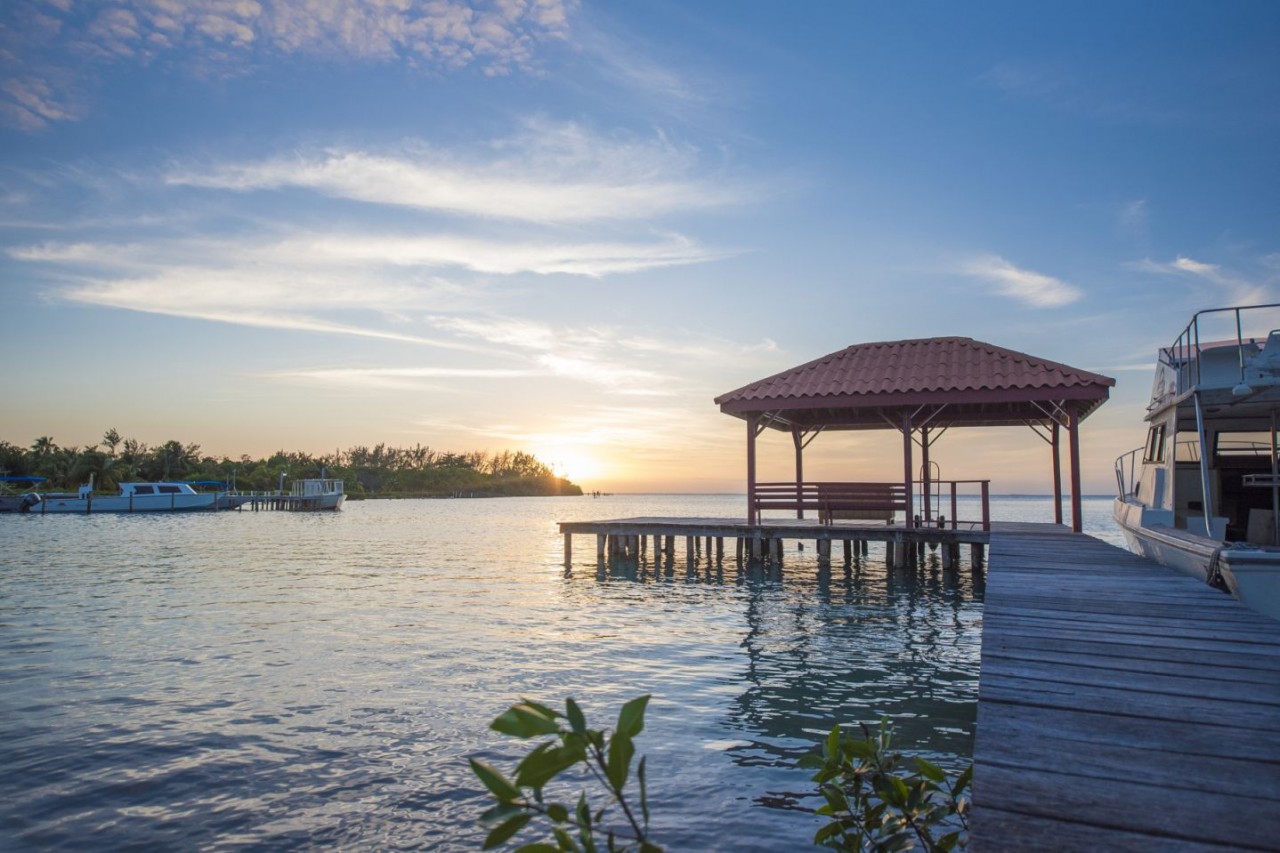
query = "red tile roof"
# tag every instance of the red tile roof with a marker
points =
(943, 370)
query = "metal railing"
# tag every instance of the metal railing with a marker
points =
(1184, 354)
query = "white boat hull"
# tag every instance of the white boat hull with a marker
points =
(1252, 574)
(130, 503)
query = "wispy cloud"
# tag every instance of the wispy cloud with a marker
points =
(1073, 91)
(548, 173)
(217, 37)
(1234, 287)
(1035, 289)
(324, 251)
(399, 378)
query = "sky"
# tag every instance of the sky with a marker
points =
(565, 227)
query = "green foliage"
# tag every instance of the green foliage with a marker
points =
(570, 745)
(874, 804)
(380, 470)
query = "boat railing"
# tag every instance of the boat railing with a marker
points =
(1184, 354)
(1127, 471)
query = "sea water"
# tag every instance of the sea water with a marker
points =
(276, 680)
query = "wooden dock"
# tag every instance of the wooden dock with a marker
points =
(628, 538)
(1121, 705)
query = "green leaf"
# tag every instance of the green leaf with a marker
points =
(583, 812)
(505, 830)
(929, 770)
(564, 840)
(537, 847)
(501, 811)
(558, 813)
(966, 778)
(577, 721)
(526, 720)
(833, 741)
(826, 833)
(644, 792)
(620, 753)
(544, 764)
(497, 784)
(948, 842)
(811, 762)
(631, 717)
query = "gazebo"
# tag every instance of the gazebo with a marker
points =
(922, 388)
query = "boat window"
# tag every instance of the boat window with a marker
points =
(142, 490)
(1243, 444)
(1187, 448)
(1155, 444)
(169, 490)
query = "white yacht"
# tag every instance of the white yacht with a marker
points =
(1203, 493)
(133, 497)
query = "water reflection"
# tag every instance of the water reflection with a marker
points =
(838, 641)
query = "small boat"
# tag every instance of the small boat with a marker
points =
(133, 497)
(1202, 495)
(317, 494)
(16, 499)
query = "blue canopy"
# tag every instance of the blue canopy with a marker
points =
(22, 479)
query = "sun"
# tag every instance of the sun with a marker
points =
(572, 463)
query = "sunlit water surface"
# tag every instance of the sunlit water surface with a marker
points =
(279, 680)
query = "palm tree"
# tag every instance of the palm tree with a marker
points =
(43, 446)
(111, 440)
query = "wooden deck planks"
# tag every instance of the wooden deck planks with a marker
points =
(1121, 706)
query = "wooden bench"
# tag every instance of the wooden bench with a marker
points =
(863, 501)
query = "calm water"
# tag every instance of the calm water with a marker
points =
(280, 680)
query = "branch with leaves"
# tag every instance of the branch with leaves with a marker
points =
(603, 756)
(874, 806)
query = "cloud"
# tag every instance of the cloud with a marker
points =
(362, 250)
(220, 37)
(399, 378)
(1033, 288)
(546, 174)
(1236, 288)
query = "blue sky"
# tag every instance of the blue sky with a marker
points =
(566, 226)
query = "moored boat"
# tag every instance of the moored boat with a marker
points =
(13, 498)
(133, 497)
(1202, 495)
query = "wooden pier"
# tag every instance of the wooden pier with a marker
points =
(629, 538)
(1121, 705)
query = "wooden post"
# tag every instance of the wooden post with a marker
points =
(1056, 444)
(888, 554)
(906, 465)
(600, 546)
(924, 465)
(1073, 433)
(848, 550)
(719, 549)
(796, 440)
(752, 516)
(568, 550)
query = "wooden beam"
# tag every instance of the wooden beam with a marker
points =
(1056, 444)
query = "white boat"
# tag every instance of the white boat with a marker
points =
(318, 494)
(1202, 495)
(133, 497)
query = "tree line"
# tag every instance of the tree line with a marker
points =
(377, 471)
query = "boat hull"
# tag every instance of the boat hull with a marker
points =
(1251, 574)
(133, 503)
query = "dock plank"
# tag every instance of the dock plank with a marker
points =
(1121, 705)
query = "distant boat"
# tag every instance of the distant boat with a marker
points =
(13, 498)
(1203, 494)
(133, 497)
(317, 494)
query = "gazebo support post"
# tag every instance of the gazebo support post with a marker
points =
(924, 466)
(1073, 434)
(906, 464)
(753, 422)
(1056, 443)
(797, 440)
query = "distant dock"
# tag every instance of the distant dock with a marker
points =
(1121, 705)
